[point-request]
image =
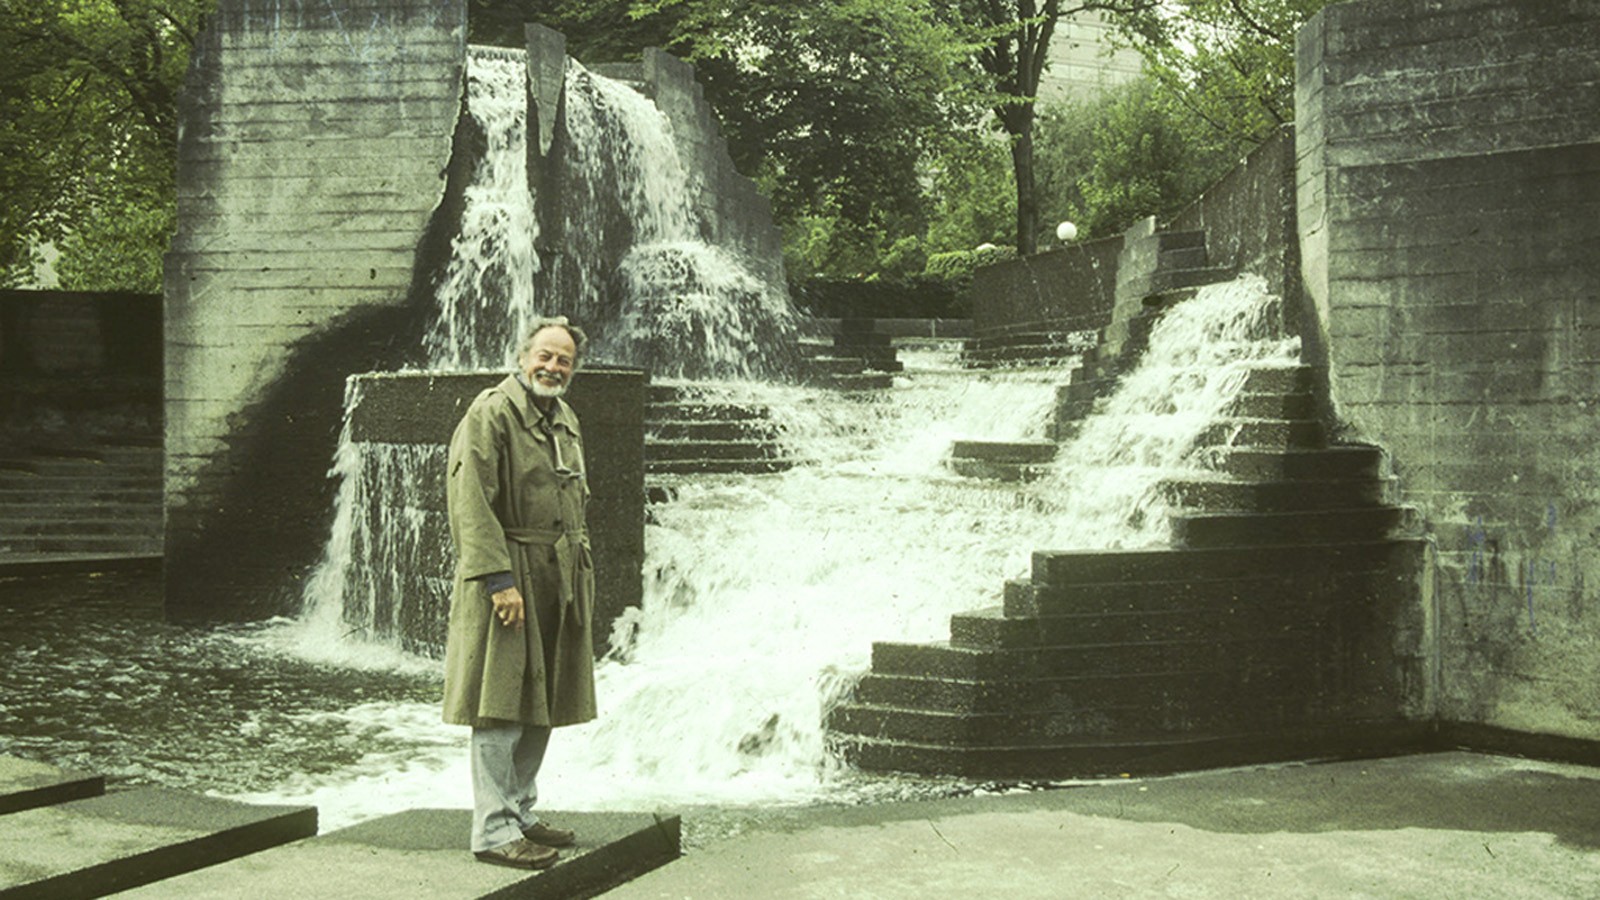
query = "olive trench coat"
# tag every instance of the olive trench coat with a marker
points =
(516, 491)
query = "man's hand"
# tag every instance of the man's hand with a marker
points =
(508, 607)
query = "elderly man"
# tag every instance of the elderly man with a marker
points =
(519, 658)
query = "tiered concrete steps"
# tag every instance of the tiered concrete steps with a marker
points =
(98, 500)
(860, 339)
(690, 430)
(1274, 627)
(1032, 343)
(1002, 460)
(1181, 269)
(823, 365)
(62, 837)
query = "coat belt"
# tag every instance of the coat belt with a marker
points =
(570, 566)
(539, 535)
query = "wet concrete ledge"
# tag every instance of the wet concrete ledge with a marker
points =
(62, 837)
(25, 784)
(101, 845)
(423, 853)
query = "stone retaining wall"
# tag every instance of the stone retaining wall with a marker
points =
(313, 149)
(1449, 200)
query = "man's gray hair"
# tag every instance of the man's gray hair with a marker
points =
(578, 337)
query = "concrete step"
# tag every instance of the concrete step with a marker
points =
(718, 466)
(1186, 708)
(1263, 606)
(25, 784)
(1258, 464)
(728, 430)
(61, 836)
(702, 411)
(1183, 258)
(81, 545)
(1232, 529)
(79, 493)
(423, 853)
(995, 470)
(667, 451)
(118, 841)
(1167, 280)
(1303, 434)
(1119, 755)
(1005, 451)
(1352, 577)
(1252, 405)
(1280, 496)
(1180, 240)
(108, 524)
(1056, 571)
(1105, 690)
(944, 660)
(865, 381)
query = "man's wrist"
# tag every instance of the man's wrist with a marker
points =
(496, 582)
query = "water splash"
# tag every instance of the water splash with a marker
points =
(763, 594)
(638, 255)
(1106, 480)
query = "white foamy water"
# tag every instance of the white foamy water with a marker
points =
(489, 279)
(764, 594)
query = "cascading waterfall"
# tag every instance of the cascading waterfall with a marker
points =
(675, 303)
(765, 593)
(486, 291)
(686, 307)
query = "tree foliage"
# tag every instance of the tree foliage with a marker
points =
(1133, 152)
(836, 108)
(88, 129)
(1015, 38)
(1231, 61)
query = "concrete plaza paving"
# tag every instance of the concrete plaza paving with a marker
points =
(1457, 825)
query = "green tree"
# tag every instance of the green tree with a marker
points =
(1014, 39)
(1135, 151)
(837, 109)
(1230, 61)
(88, 130)
(597, 31)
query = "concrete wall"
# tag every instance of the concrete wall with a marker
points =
(67, 352)
(1449, 203)
(735, 211)
(1248, 216)
(313, 147)
(1071, 288)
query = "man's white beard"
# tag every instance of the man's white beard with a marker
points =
(545, 389)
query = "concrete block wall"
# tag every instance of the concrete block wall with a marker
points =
(1071, 288)
(314, 141)
(1448, 195)
(1248, 217)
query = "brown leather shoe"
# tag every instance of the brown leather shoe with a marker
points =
(540, 833)
(522, 854)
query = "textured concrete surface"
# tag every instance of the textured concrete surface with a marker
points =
(423, 853)
(1443, 825)
(25, 784)
(100, 845)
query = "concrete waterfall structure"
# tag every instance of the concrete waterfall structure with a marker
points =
(1431, 224)
(323, 155)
